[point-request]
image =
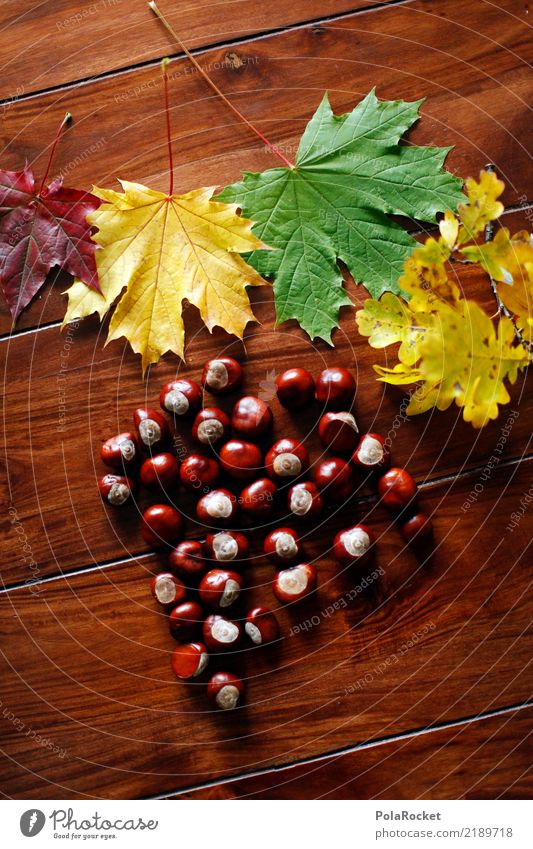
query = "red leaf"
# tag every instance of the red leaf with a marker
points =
(38, 231)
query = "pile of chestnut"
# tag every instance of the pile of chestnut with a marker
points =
(233, 446)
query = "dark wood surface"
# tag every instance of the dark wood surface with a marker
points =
(84, 651)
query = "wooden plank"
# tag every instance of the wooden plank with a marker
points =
(105, 35)
(65, 393)
(486, 759)
(85, 660)
(477, 93)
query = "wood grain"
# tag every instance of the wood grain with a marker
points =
(86, 660)
(105, 35)
(485, 759)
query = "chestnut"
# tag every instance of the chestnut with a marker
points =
(397, 489)
(181, 397)
(241, 460)
(228, 545)
(287, 459)
(304, 500)
(161, 524)
(219, 633)
(225, 690)
(338, 431)
(371, 452)
(257, 499)
(335, 479)
(251, 417)
(222, 375)
(217, 507)
(116, 489)
(220, 588)
(210, 426)
(199, 472)
(167, 589)
(418, 529)
(282, 546)
(294, 583)
(261, 626)
(152, 428)
(187, 559)
(120, 451)
(295, 388)
(335, 388)
(160, 470)
(352, 544)
(185, 620)
(189, 660)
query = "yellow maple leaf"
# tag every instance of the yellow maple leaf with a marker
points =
(162, 250)
(483, 204)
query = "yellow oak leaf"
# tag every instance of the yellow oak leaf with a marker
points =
(391, 320)
(425, 277)
(157, 251)
(449, 229)
(483, 204)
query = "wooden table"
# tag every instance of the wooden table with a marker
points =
(421, 686)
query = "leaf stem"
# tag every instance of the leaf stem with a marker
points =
(272, 147)
(66, 120)
(164, 65)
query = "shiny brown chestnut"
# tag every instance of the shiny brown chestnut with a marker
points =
(335, 479)
(222, 375)
(418, 529)
(261, 626)
(286, 459)
(225, 690)
(294, 583)
(282, 546)
(181, 397)
(220, 588)
(218, 507)
(258, 498)
(210, 426)
(335, 388)
(161, 525)
(120, 451)
(189, 660)
(304, 500)
(338, 431)
(240, 460)
(152, 429)
(397, 489)
(185, 620)
(167, 589)
(221, 634)
(251, 417)
(187, 559)
(295, 388)
(371, 452)
(116, 489)
(228, 546)
(198, 472)
(352, 545)
(160, 471)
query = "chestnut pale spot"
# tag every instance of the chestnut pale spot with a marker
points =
(218, 505)
(347, 419)
(356, 542)
(301, 501)
(293, 581)
(370, 451)
(287, 465)
(286, 546)
(118, 494)
(225, 547)
(202, 663)
(224, 632)
(149, 431)
(227, 697)
(165, 590)
(231, 593)
(217, 375)
(127, 449)
(176, 402)
(254, 633)
(210, 430)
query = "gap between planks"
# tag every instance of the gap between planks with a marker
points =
(346, 750)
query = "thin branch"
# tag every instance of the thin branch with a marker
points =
(164, 65)
(275, 150)
(59, 133)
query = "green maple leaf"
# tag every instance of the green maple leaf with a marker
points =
(350, 175)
